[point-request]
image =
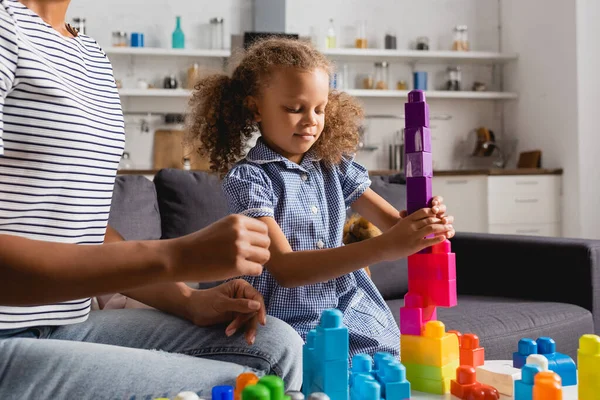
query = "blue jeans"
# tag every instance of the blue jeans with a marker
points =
(140, 354)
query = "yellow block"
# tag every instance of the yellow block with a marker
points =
(448, 371)
(430, 385)
(435, 347)
(588, 367)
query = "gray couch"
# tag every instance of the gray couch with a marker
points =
(509, 287)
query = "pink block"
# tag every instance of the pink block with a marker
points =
(444, 247)
(414, 315)
(435, 292)
(433, 266)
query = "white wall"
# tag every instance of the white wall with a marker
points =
(588, 100)
(545, 116)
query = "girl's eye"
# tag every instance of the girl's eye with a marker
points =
(320, 111)
(292, 110)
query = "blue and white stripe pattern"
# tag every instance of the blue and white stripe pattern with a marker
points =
(61, 139)
(309, 202)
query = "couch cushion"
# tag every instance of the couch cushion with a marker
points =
(391, 278)
(500, 323)
(134, 209)
(188, 201)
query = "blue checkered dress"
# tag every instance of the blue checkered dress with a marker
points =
(309, 202)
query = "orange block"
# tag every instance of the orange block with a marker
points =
(547, 385)
(466, 387)
(243, 380)
(470, 351)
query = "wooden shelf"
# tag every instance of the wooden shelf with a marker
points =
(414, 56)
(435, 94)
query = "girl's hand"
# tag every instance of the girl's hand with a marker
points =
(439, 208)
(409, 235)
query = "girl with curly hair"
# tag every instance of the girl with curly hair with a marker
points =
(300, 178)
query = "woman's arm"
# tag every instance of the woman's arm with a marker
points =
(296, 268)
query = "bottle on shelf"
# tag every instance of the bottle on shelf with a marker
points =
(330, 40)
(178, 37)
(361, 37)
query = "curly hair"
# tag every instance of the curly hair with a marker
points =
(221, 121)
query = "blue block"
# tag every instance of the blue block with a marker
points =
(331, 376)
(560, 363)
(308, 362)
(381, 358)
(332, 337)
(365, 388)
(524, 386)
(361, 364)
(526, 348)
(222, 392)
(395, 386)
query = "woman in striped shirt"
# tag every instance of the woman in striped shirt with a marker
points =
(61, 138)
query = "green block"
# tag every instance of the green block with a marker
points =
(429, 385)
(275, 385)
(448, 371)
(256, 392)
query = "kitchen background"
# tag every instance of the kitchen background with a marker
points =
(536, 74)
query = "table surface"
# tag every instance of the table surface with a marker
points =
(569, 393)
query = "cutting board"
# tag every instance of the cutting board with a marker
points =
(170, 150)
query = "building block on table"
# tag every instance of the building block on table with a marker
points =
(547, 386)
(560, 363)
(243, 380)
(365, 387)
(415, 314)
(223, 392)
(295, 395)
(418, 190)
(448, 371)
(417, 139)
(332, 340)
(432, 266)
(384, 369)
(418, 164)
(186, 396)
(331, 376)
(308, 362)
(394, 385)
(499, 374)
(430, 385)
(441, 293)
(471, 353)
(588, 365)
(256, 392)
(466, 386)
(318, 396)
(275, 385)
(524, 386)
(539, 360)
(416, 110)
(526, 347)
(435, 347)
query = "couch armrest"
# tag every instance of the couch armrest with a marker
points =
(534, 268)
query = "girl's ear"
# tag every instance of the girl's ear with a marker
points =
(252, 104)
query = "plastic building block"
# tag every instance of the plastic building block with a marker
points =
(441, 293)
(415, 314)
(416, 110)
(418, 190)
(470, 351)
(332, 336)
(318, 396)
(465, 386)
(547, 386)
(560, 363)
(308, 362)
(361, 364)
(187, 396)
(275, 385)
(418, 165)
(223, 392)
(417, 139)
(331, 376)
(435, 347)
(430, 385)
(499, 374)
(433, 266)
(393, 382)
(444, 247)
(588, 363)
(243, 380)
(524, 386)
(526, 347)
(294, 395)
(538, 360)
(385, 370)
(256, 392)
(413, 207)
(365, 387)
(448, 371)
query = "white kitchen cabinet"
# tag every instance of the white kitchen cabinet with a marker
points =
(466, 199)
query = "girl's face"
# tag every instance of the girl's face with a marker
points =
(291, 110)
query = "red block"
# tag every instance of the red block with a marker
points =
(434, 266)
(438, 293)
(415, 314)
(470, 351)
(466, 387)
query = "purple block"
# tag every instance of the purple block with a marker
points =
(412, 207)
(418, 164)
(416, 110)
(417, 139)
(418, 190)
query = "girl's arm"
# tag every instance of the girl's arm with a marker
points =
(296, 268)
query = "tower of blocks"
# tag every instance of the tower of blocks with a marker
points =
(543, 352)
(430, 355)
(326, 370)
(588, 363)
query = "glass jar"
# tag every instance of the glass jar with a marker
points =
(193, 76)
(402, 85)
(119, 39)
(361, 35)
(217, 33)
(390, 40)
(422, 43)
(382, 75)
(461, 38)
(454, 79)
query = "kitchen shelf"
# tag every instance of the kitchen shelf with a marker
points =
(157, 51)
(184, 93)
(435, 94)
(425, 56)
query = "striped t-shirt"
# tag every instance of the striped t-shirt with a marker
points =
(61, 139)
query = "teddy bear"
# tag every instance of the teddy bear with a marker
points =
(356, 229)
